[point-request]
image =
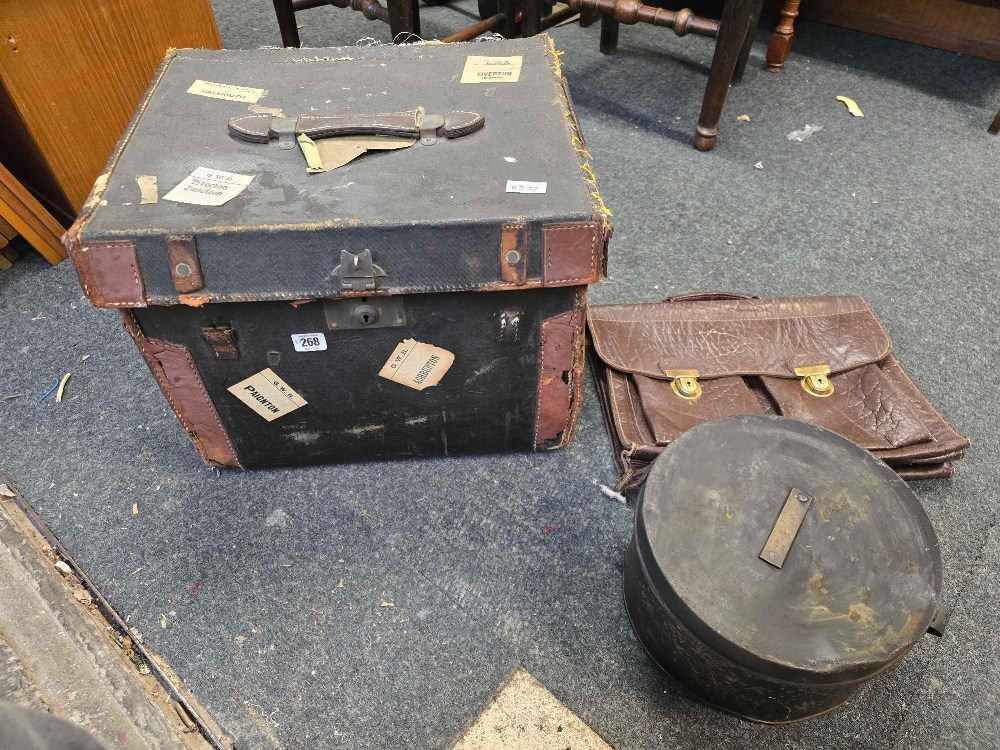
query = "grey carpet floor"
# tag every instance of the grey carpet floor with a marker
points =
(380, 605)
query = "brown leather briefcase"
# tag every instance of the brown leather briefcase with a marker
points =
(662, 368)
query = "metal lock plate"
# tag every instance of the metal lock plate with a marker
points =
(364, 312)
(815, 380)
(684, 383)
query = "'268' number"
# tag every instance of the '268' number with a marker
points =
(309, 342)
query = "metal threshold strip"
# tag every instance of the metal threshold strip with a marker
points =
(194, 721)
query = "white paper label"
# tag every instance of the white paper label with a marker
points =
(309, 342)
(268, 395)
(480, 69)
(209, 187)
(417, 365)
(520, 186)
(226, 91)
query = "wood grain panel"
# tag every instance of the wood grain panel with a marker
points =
(19, 210)
(970, 27)
(74, 71)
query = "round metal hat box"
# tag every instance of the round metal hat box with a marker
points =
(775, 567)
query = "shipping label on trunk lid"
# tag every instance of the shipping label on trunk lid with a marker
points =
(209, 187)
(227, 91)
(482, 69)
(417, 365)
(268, 395)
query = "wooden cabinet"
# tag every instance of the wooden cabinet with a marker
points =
(970, 27)
(71, 75)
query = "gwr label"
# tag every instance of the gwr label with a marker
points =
(268, 395)
(417, 365)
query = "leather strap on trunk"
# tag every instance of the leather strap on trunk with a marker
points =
(177, 375)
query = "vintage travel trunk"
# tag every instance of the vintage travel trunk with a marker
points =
(424, 298)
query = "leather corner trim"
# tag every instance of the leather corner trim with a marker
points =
(109, 272)
(175, 372)
(560, 376)
(572, 253)
(514, 253)
(185, 266)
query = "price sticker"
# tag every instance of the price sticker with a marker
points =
(309, 342)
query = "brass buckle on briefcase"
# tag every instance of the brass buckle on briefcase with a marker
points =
(684, 383)
(815, 381)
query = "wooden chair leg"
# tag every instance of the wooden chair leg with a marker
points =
(995, 127)
(781, 40)
(732, 34)
(589, 16)
(415, 16)
(286, 23)
(741, 63)
(531, 17)
(508, 29)
(403, 21)
(609, 35)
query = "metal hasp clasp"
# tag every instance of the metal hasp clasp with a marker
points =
(357, 272)
(815, 380)
(684, 383)
(785, 529)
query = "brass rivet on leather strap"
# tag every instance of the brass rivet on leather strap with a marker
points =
(684, 383)
(815, 380)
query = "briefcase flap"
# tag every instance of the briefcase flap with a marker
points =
(753, 337)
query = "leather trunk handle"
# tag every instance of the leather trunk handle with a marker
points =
(708, 296)
(261, 128)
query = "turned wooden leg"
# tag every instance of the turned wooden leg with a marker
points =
(781, 40)
(741, 63)
(589, 16)
(609, 35)
(732, 34)
(995, 127)
(286, 23)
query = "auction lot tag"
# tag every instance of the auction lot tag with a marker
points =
(226, 91)
(417, 365)
(209, 187)
(309, 342)
(480, 69)
(521, 186)
(268, 395)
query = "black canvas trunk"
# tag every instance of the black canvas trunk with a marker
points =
(426, 300)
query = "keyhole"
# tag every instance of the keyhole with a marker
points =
(12, 42)
(365, 314)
